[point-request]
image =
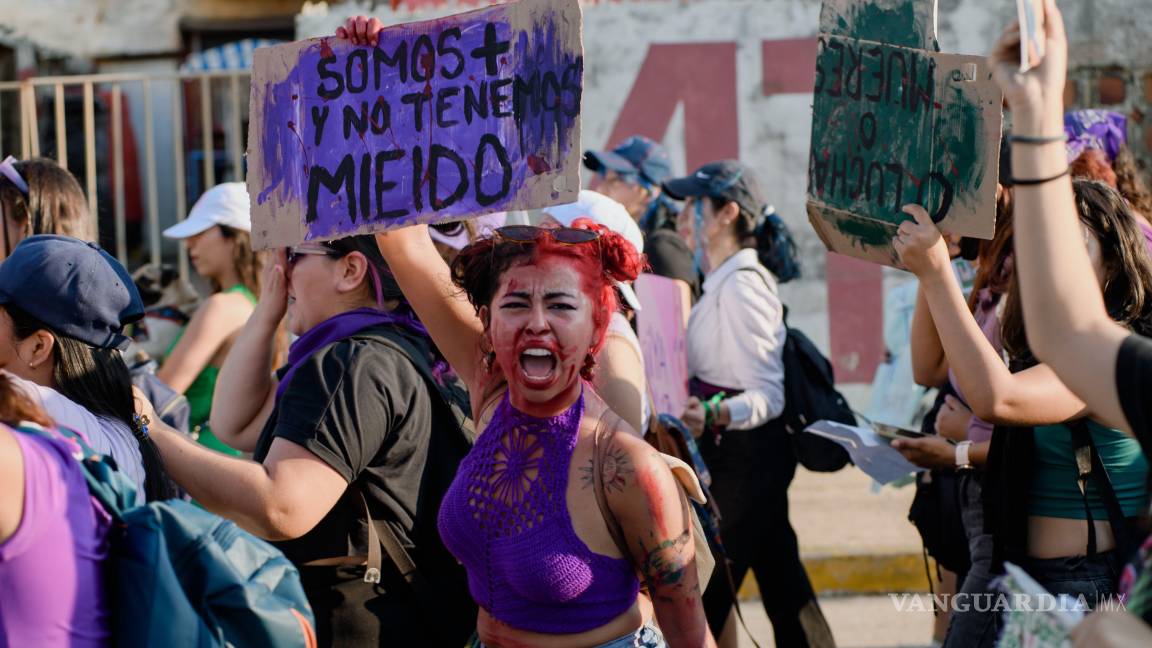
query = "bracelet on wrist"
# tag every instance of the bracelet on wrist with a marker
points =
(1031, 182)
(1038, 139)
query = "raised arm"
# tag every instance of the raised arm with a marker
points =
(215, 322)
(1032, 397)
(929, 364)
(245, 391)
(1067, 324)
(442, 307)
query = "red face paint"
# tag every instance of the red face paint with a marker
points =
(542, 327)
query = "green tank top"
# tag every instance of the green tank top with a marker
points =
(1055, 491)
(199, 393)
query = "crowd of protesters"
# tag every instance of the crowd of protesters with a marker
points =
(459, 447)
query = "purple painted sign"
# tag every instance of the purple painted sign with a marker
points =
(443, 120)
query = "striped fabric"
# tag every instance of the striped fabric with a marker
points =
(236, 55)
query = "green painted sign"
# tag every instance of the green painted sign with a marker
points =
(897, 122)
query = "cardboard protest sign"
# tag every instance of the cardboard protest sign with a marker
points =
(894, 122)
(661, 325)
(444, 119)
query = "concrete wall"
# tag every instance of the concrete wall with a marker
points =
(726, 78)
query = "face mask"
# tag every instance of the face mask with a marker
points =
(699, 259)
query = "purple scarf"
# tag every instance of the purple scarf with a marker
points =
(1099, 129)
(336, 328)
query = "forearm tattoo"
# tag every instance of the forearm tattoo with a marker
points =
(615, 468)
(665, 564)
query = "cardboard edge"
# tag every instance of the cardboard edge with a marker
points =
(821, 218)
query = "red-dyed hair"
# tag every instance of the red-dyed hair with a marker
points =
(1093, 164)
(478, 268)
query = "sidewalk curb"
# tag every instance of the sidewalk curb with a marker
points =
(859, 574)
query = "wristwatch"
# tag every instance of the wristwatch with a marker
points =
(962, 462)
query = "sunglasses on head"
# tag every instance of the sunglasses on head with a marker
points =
(532, 234)
(297, 252)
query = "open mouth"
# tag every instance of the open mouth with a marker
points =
(537, 364)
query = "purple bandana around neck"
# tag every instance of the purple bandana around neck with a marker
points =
(337, 328)
(1095, 129)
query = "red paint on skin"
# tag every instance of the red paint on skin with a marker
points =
(652, 493)
(514, 331)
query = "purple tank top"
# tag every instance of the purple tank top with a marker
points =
(505, 518)
(52, 580)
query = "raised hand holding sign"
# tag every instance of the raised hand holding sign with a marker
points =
(896, 122)
(421, 123)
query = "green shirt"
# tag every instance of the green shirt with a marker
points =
(1055, 489)
(199, 393)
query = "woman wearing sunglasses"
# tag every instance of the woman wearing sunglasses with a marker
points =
(38, 196)
(352, 422)
(520, 316)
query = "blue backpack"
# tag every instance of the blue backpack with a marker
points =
(182, 577)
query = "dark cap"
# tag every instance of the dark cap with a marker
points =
(75, 288)
(635, 155)
(726, 179)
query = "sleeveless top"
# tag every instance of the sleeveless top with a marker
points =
(505, 518)
(53, 583)
(199, 393)
(1055, 491)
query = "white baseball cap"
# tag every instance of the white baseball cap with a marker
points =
(225, 204)
(609, 213)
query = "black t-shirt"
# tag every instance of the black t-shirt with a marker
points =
(670, 257)
(363, 408)
(1133, 379)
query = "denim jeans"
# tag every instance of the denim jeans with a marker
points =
(1093, 578)
(970, 627)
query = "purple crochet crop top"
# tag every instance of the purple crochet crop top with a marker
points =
(505, 518)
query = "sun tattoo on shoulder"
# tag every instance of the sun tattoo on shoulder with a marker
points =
(615, 467)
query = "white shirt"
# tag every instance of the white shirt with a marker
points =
(736, 339)
(106, 436)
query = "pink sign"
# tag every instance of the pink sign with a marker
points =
(662, 329)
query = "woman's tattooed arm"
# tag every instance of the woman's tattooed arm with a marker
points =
(653, 512)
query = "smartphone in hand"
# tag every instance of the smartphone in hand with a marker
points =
(1032, 36)
(895, 431)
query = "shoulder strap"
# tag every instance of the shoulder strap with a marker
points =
(111, 488)
(380, 534)
(1089, 465)
(601, 440)
(783, 306)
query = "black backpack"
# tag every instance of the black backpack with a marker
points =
(437, 581)
(810, 395)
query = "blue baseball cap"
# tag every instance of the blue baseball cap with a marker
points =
(635, 155)
(75, 288)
